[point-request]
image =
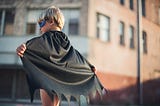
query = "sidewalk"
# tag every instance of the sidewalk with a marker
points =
(64, 103)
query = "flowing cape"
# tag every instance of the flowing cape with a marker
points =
(53, 64)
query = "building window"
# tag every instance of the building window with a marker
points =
(6, 88)
(13, 89)
(22, 91)
(144, 36)
(131, 36)
(122, 2)
(143, 8)
(121, 33)
(1, 23)
(159, 15)
(32, 27)
(131, 4)
(103, 27)
(7, 21)
(71, 26)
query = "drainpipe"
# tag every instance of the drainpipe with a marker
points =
(139, 53)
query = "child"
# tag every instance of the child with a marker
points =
(54, 66)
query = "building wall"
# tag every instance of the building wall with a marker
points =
(15, 89)
(151, 64)
(112, 53)
(117, 64)
(152, 8)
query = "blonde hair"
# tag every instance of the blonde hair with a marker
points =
(53, 14)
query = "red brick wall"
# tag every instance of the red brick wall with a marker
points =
(124, 90)
(121, 89)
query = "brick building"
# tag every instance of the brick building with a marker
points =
(113, 48)
(106, 32)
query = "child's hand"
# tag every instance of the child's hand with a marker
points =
(20, 50)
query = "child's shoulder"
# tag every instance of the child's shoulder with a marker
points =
(33, 40)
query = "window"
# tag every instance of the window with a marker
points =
(6, 88)
(159, 15)
(131, 36)
(6, 22)
(131, 6)
(122, 2)
(32, 27)
(8, 25)
(144, 36)
(1, 23)
(143, 8)
(22, 91)
(71, 26)
(15, 86)
(121, 33)
(103, 27)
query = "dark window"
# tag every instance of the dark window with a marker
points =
(13, 85)
(0, 21)
(9, 21)
(6, 21)
(6, 81)
(72, 20)
(144, 35)
(22, 89)
(159, 15)
(143, 8)
(122, 2)
(98, 26)
(121, 33)
(131, 5)
(131, 36)
(31, 28)
(73, 26)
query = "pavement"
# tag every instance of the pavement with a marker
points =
(64, 103)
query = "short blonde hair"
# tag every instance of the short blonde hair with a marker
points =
(55, 14)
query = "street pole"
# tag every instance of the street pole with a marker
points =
(139, 53)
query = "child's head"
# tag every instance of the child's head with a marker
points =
(52, 15)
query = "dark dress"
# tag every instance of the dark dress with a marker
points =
(53, 64)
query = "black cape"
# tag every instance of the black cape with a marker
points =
(51, 63)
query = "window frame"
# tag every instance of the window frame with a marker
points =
(132, 37)
(16, 94)
(159, 15)
(122, 2)
(32, 19)
(102, 28)
(143, 8)
(144, 37)
(3, 21)
(131, 4)
(121, 33)
(71, 14)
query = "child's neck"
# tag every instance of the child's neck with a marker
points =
(56, 28)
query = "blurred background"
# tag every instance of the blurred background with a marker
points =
(121, 38)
